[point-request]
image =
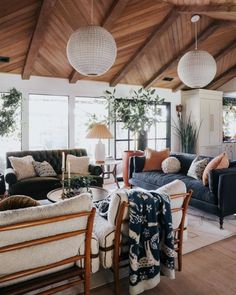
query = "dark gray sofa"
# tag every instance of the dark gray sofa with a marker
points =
(218, 198)
(38, 187)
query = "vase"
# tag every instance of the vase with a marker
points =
(125, 164)
(142, 139)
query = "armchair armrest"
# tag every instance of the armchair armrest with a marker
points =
(226, 194)
(10, 176)
(95, 169)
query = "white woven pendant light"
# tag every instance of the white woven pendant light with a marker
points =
(196, 68)
(91, 50)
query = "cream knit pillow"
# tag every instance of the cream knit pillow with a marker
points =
(78, 165)
(23, 167)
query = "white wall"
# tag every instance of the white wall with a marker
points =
(229, 88)
(56, 86)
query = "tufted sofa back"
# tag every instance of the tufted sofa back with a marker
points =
(54, 157)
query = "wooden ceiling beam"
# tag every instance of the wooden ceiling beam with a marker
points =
(223, 78)
(113, 14)
(174, 61)
(157, 32)
(211, 8)
(221, 54)
(38, 35)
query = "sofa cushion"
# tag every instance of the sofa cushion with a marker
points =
(44, 169)
(158, 179)
(17, 202)
(197, 167)
(154, 159)
(23, 166)
(185, 161)
(35, 184)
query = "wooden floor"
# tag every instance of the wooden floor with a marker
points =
(208, 271)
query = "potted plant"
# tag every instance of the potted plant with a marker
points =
(188, 133)
(138, 112)
(10, 103)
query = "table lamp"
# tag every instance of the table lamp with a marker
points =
(99, 131)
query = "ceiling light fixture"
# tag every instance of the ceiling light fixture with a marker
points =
(91, 50)
(196, 68)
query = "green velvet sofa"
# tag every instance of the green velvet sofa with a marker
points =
(38, 187)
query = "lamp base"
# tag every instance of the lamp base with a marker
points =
(100, 152)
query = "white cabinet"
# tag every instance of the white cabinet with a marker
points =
(205, 108)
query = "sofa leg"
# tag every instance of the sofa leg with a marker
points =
(221, 222)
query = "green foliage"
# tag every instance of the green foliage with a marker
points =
(138, 112)
(93, 119)
(79, 181)
(10, 103)
(188, 134)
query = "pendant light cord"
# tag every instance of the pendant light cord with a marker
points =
(195, 27)
(91, 12)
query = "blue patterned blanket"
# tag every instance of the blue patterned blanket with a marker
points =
(151, 240)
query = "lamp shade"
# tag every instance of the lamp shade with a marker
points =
(196, 68)
(91, 50)
(99, 131)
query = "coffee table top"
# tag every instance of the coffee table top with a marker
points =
(97, 192)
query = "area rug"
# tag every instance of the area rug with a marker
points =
(203, 229)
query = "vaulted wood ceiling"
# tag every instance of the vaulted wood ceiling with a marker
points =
(151, 37)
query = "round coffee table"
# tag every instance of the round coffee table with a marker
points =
(98, 194)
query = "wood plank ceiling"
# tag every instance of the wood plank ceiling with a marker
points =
(151, 37)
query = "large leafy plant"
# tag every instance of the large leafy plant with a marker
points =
(138, 112)
(9, 105)
(188, 133)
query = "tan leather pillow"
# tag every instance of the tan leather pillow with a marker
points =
(219, 162)
(154, 159)
(17, 202)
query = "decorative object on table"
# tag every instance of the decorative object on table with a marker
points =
(10, 103)
(76, 185)
(188, 132)
(91, 50)
(100, 131)
(171, 165)
(196, 68)
(138, 112)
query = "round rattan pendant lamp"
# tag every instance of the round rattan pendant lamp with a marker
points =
(91, 50)
(196, 68)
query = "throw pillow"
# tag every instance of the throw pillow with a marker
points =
(17, 202)
(171, 165)
(219, 162)
(154, 159)
(197, 167)
(78, 165)
(44, 169)
(23, 167)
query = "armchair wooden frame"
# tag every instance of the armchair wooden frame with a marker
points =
(79, 274)
(178, 237)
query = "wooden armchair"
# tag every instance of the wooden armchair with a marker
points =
(114, 252)
(45, 245)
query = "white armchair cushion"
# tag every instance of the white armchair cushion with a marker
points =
(47, 253)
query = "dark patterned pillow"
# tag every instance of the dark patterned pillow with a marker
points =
(44, 169)
(197, 167)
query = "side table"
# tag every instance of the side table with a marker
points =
(109, 167)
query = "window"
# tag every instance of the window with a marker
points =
(48, 122)
(158, 135)
(11, 142)
(84, 108)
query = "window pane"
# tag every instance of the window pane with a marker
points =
(120, 132)
(160, 144)
(48, 122)
(152, 144)
(161, 130)
(163, 113)
(121, 146)
(84, 108)
(12, 142)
